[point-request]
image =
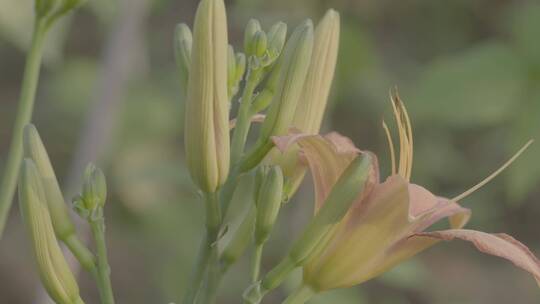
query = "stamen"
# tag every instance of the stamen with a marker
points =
(390, 146)
(409, 137)
(494, 174)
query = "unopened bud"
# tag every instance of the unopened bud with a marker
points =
(52, 267)
(183, 42)
(35, 150)
(348, 187)
(269, 198)
(276, 39)
(293, 70)
(94, 191)
(260, 43)
(242, 237)
(312, 105)
(207, 106)
(252, 28)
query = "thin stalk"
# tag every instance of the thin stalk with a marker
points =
(81, 253)
(243, 119)
(256, 262)
(300, 296)
(103, 269)
(23, 117)
(208, 246)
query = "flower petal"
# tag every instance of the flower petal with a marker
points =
(327, 157)
(500, 245)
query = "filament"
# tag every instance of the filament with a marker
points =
(390, 146)
(494, 174)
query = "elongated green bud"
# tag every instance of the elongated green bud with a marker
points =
(183, 42)
(240, 67)
(231, 68)
(53, 269)
(312, 105)
(277, 36)
(252, 28)
(348, 187)
(236, 247)
(207, 106)
(35, 150)
(94, 191)
(269, 198)
(293, 71)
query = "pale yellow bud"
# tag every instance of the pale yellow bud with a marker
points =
(312, 105)
(53, 269)
(310, 110)
(207, 106)
(35, 150)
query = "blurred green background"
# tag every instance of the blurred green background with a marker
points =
(469, 72)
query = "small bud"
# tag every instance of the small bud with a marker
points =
(35, 150)
(183, 42)
(260, 43)
(349, 185)
(53, 269)
(293, 70)
(252, 28)
(240, 67)
(268, 201)
(276, 39)
(207, 105)
(231, 69)
(94, 192)
(264, 98)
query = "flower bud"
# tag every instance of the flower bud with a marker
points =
(349, 185)
(252, 28)
(94, 192)
(310, 110)
(35, 150)
(260, 43)
(53, 269)
(269, 198)
(183, 42)
(264, 98)
(311, 107)
(207, 106)
(237, 245)
(231, 69)
(293, 70)
(276, 39)
(240, 67)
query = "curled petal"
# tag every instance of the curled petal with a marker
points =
(500, 245)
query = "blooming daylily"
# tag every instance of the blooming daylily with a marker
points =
(388, 222)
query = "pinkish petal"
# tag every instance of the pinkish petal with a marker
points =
(501, 245)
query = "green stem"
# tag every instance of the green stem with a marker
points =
(243, 119)
(23, 117)
(300, 296)
(208, 246)
(81, 253)
(103, 270)
(213, 280)
(256, 262)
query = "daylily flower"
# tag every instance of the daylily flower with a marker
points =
(388, 222)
